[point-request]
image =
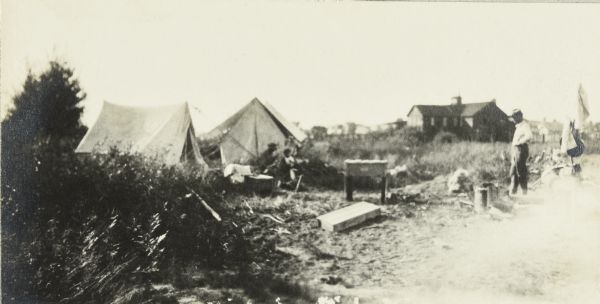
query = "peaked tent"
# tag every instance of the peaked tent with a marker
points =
(165, 133)
(246, 134)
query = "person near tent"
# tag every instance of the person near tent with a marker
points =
(292, 145)
(267, 161)
(520, 152)
(572, 146)
(287, 166)
(571, 143)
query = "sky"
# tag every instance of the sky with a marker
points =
(318, 63)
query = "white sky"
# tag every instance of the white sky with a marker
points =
(318, 63)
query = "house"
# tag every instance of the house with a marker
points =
(349, 129)
(337, 130)
(483, 121)
(591, 131)
(360, 130)
(546, 131)
(389, 126)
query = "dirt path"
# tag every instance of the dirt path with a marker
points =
(548, 252)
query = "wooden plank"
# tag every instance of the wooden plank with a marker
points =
(347, 217)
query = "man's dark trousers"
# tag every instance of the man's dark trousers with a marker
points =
(519, 174)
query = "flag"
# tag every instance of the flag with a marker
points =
(583, 108)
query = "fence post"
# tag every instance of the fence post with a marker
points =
(348, 187)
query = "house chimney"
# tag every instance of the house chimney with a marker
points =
(457, 100)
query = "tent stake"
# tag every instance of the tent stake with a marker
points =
(213, 212)
(298, 184)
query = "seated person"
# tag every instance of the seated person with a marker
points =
(267, 161)
(287, 166)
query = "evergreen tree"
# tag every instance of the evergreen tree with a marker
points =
(48, 108)
(46, 111)
(45, 115)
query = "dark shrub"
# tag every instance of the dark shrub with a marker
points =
(444, 137)
(99, 224)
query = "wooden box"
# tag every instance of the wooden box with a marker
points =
(374, 168)
(260, 183)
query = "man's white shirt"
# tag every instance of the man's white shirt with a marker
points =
(522, 133)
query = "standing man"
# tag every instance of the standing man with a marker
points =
(520, 152)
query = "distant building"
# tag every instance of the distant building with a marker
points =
(336, 130)
(361, 129)
(482, 121)
(389, 126)
(592, 131)
(350, 129)
(546, 131)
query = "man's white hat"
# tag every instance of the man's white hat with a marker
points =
(516, 112)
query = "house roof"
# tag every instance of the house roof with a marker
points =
(431, 110)
(463, 110)
(470, 109)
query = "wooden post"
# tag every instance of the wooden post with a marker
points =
(383, 188)
(348, 187)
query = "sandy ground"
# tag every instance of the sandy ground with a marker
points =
(546, 251)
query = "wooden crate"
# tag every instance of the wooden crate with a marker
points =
(259, 183)
(365, 167)
(347, 217)
(369, 168)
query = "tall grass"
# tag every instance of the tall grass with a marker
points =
(485, 161)
(85, 228)
(379, 145)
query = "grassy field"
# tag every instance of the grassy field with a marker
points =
(137, 226)
(485, 161)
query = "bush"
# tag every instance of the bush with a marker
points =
(444, 137)
(96, 225)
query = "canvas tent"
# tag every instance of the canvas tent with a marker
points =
(165, 133)
(246, 134)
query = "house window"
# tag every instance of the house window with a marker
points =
(445, 121)
(432, 121)
(469, 121)
(455, 121)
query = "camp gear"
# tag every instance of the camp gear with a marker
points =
(480, 198)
